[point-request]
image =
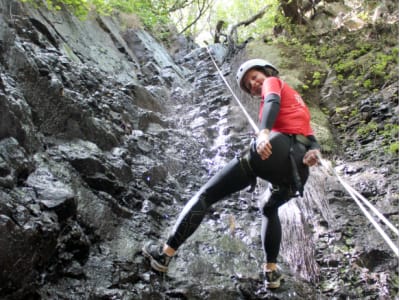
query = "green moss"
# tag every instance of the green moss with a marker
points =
(363, 62)
(325, 110)
(390, 138)
(354, 112)
(367, 83)
(317, 77)
(390, 131)
(305, 87)
(355, 93)
(344, 67)
(367, 129)
(380, 66)
(393, 148)
(71, 55)
(394, 280)
(341, 109)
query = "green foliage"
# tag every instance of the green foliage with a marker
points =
(310, 55)
(393, 148)
(379, 68)
(151, 13)
(235, 11)
(390, 135)
(344, 67)
(154, 14)
(80, 8)
(317, 76)
(367, 84)
(325, 110)
(364, 65)
(354, 112)
(367, 129)
(390, 131)
(305, 87)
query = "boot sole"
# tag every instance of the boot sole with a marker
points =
(275, 284)
(154, 263)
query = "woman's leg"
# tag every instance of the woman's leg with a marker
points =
(276, 169)
(271, 231)
(232, 178)
(271, 235)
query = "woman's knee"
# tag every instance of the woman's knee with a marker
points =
(269, 210)
(202, 201)
(278, 197)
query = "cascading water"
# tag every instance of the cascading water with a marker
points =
(226, 249)
(300, 225)
(297, 216)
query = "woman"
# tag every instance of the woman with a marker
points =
(284, 149)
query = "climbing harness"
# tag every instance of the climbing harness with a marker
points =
(357, 197)
(295, 171)
(248, 170)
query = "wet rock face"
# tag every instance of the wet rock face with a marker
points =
(89, 162)
(103, 138)
(368, 165)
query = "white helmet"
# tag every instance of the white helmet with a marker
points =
(250, 64)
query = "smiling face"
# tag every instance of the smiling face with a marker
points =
(253, 81)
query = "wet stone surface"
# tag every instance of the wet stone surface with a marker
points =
(100, 149)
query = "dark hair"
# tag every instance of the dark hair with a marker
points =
(270, 71)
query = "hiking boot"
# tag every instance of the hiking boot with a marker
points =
(272, 279)
(158, 259)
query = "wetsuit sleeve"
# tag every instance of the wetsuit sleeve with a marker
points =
(314, 142)
(272, 103)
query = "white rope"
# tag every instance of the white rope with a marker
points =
(353, 193)
(361, 197)
(255, 127)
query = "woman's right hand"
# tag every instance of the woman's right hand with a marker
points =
(311, 157)
(263, 146)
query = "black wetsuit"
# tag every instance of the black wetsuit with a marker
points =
(241, 172)
(235, 177)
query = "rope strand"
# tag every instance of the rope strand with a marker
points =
(252, 123)
(353, 193)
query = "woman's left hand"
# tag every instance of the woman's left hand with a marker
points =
(311, 157)
(264, 147)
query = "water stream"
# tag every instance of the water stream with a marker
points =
(303, 219)
(228, 243)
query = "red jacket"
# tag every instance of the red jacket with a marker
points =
(294, 116)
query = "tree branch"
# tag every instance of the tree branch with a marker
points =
(233, 30)
(205, 5)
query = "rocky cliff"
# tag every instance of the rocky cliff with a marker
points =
(104, 135)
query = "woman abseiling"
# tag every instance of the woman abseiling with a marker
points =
(282, 152)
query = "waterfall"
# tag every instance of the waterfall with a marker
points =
(303, 220)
